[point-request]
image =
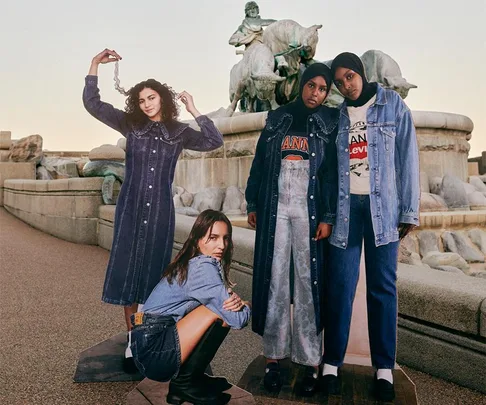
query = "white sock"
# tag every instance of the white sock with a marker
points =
(128, 350)
(328, 369)
(384, 374)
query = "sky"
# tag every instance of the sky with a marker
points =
(46, 49)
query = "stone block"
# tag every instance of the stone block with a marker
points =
(107, 213)
(424, 182)
(41, 185)
(85, 184)
(87, 206)
(440, 298)
(107, 152)
(436, 259)
(5, 140)
(58, 185)
(28, 149)
(432, 203)
(11, 170)
(4, 154)
(245, 147)
(428, 242)
(244, 170)
(478, 237)
(473, 168)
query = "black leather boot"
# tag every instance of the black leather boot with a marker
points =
(310, 382)
(192, 385)
(272, 381)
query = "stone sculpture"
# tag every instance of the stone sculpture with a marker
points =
(251, 28)
(112, 171)
(253, 79)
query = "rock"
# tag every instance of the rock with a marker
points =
(211, 197)
(432, 202)
(478, 237)
(244, 147)
(80, 165)
(177, 190)
(193, 154)
(450, 269)
(458, 243)
(408, 257)
(454, 193)
(410, 243)
(428, 242)
(477, 200)
(435, 185)
(436, 259)
(478, 184)
(424, 182)
(107, 152)
(103, 168)
(42, 173)
(189, 211)
(187, 198)
(28, 149)
(5, 140)
(478, 274)
(232, 201)
(177, 201)
(122, 143)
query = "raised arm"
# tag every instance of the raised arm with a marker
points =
(209, 137)
(102, 111)
(205, 284)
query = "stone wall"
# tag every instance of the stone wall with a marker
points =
(13, 170)
(67, 208)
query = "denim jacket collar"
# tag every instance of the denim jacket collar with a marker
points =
(326, 118)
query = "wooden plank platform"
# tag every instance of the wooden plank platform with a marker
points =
(103, 362)
(356, 386)
(150, 392)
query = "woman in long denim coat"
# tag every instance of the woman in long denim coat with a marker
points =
(283, 198)
(377, 205)
(144, 216)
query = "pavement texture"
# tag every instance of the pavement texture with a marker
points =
(51, 311)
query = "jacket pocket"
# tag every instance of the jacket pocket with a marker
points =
(389, 134)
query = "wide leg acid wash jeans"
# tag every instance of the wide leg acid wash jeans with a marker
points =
(282, 337)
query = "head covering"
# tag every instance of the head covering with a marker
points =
(298, 109)
(351, 61)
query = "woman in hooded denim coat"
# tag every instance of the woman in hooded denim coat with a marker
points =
(144, 216)
(283, 198)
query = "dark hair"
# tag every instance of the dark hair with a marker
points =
(177, 269)
(170, 109)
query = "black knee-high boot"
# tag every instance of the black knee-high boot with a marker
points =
(191, 384)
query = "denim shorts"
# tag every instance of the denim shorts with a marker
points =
(155, 346)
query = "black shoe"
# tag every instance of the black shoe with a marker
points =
(219, 384)
(190, 385)
(129, 366)
(331, 384)
(384, 390)
(310, 383)
(272, 381)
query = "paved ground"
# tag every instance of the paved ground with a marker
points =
(51, 311)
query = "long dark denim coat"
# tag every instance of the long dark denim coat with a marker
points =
(144, 215)
(262, 198)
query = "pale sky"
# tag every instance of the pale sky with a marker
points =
(46, 48)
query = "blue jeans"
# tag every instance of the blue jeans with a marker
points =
(381, 294)
(155, 347)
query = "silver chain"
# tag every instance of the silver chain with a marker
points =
(117, 81)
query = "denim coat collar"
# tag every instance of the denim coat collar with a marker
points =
(179, 127)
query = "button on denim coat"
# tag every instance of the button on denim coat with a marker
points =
(144, 215)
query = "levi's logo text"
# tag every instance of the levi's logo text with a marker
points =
(358, 149)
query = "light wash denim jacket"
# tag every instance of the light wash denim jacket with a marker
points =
(394, 170)
(204, 286)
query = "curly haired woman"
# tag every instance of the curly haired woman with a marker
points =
(144, 216)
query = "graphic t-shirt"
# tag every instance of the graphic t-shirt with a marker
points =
(295, 146)
(359, 167)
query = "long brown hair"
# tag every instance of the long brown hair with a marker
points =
(178, 268)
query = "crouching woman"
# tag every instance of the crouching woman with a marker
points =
(189, 313)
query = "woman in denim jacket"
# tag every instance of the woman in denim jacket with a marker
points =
(378, 192)
(189, 313)
(283, 198)
(144, 216)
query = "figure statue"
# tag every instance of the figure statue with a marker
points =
(251, 28)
